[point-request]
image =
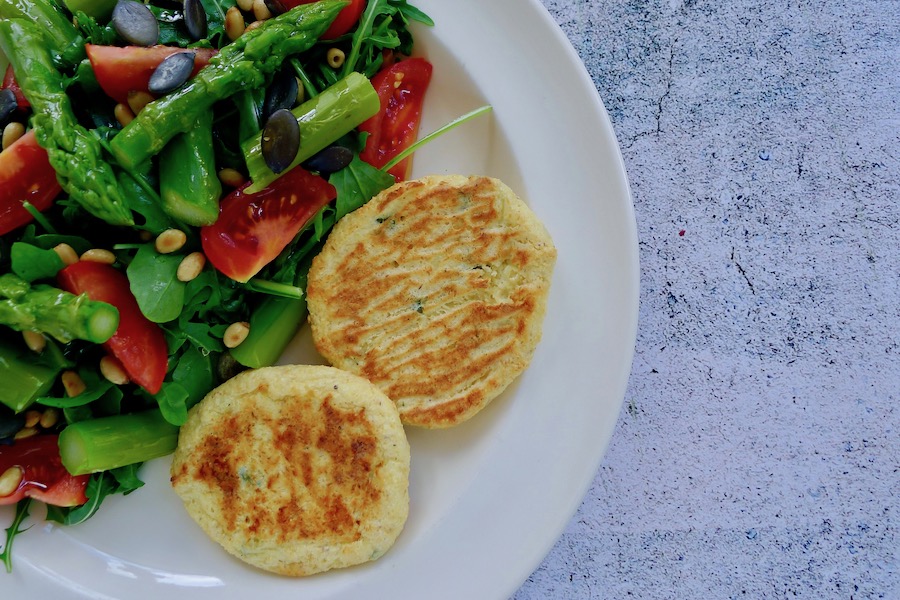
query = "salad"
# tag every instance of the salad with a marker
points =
(168, 172)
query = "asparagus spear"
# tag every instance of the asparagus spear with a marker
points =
(241, 65)
(57, 313)
(188, 184)
(323, 119)
(74, 153)
(101, 444)
(25, 376)
(59, 33)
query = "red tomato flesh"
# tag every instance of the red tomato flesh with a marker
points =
(25, 176)
(344, 22)
(120, 70)
(138, 343)
(401, 88)
(9, 83)
(253, 229)
(44, 477)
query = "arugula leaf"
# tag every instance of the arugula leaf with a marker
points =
(149, 208)
(13, 530)
(356, 184)
(155, 285)
(215, 20)
(195, 373)
(127, 478)
(172, 401)
(93, 32)
(96, 387)
(172, 31)
(411, 13)
(99, 486)
(32, 263)
(384, 25)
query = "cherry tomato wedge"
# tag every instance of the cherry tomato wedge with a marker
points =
(120, 70)
(25, 175)
(138, 343)
(401, 88)
(43, 477)
(344, 22)
(253, 229)
(9, 83)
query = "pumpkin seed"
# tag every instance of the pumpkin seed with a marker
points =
(135, 23)
(171, 73)
(280, 140)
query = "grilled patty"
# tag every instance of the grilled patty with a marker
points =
(435, 291)
(295, 469)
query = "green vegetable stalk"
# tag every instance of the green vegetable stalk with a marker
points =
(57, 313)
(24, 375)
(188, 184)
(241, 65)
(74, 153)
(273, 325)
(58, 32)
(110, 442)
(323, 119)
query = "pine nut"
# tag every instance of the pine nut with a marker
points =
(261, 11)
(113, 371)
(335, 58)
(10, 480)
(66, 253)
(32, 418)
(137, 100)
(99, 255)
(123, 114)
(49, 418)
(191, 266)
(12, 132)
(231, 177)
(72, 383)
(35, 341)
(234, 23)
(253, 26)
(25, 432)
(170, 240)
(236, 333)
(245, 5)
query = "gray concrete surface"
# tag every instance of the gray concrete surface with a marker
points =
(758, 451)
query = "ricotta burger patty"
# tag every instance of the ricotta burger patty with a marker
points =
(295, 469)
(435, 291)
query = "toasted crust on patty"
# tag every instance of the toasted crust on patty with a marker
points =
(295, 469)
(435, 291)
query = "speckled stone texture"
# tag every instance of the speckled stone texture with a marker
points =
(758, 451)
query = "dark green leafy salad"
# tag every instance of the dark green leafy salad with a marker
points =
(169, 170)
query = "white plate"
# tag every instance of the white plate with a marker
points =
(489, 498)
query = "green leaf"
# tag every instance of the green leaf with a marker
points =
(155, 285)
(172, 400)
(195, 373)
(215, 19)
(93, 32)
(32, 263)
(127, 478)
(152, 218)
(99, 486)
(96, 387)
(356, 184)
(13, 530)
(172, 31)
